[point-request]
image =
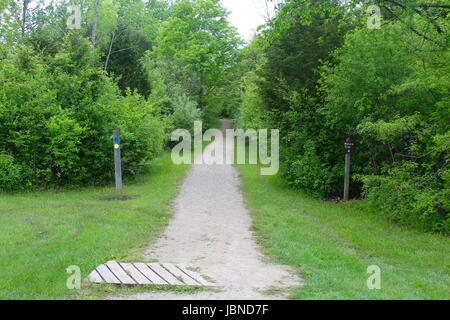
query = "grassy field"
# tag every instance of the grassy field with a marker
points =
(41, 234)
(332, 245)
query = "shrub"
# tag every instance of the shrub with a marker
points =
(185, 112)
(141, 132)
(252, 112)
(12, 175)
(211, 116)
(307, 172)
(63, 149)
(57, 114)
(407, 197)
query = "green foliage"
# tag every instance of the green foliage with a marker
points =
(286, 81)
(316, 72)
(385, 88)
(141, 132)
(58, 112)
(308, 172)
(196, 52)
(391, 99)
(251, 113)
(185, 112)
(407, 197)
(12, 175)
(10, 25)
(134, 33)
(63, 149)
(150, 66)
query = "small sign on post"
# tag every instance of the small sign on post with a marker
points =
(117, 162)
(348, 147)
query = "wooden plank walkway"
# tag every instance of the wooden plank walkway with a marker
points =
(147, 274)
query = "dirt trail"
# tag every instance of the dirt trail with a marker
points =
(210, 230)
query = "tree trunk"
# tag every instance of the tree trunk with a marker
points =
(24, 15)
(94, 23)
(113, 38)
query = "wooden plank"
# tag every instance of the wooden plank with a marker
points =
(150, 274)
(120, 273)
(196, 276)
(94, 277)
(147, 274)
(163, 273)
(107, 274)
(135, 274)
(180, 274)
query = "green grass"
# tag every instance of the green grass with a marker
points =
(332, 245)
(41, 234)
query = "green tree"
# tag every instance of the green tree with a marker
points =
(195, 47)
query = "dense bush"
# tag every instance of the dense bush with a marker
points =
(143, 67)
(308, 172)
(141, 131)
(386, 88)
(12, 175)
(195, 54)
(378, 93)
(410, 198)
(57, 113)
(185, 112)
(63, 148)
(251, 114)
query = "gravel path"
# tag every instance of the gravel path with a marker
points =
(210, 231)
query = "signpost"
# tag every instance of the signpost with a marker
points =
(117, 162)
(348, 147)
